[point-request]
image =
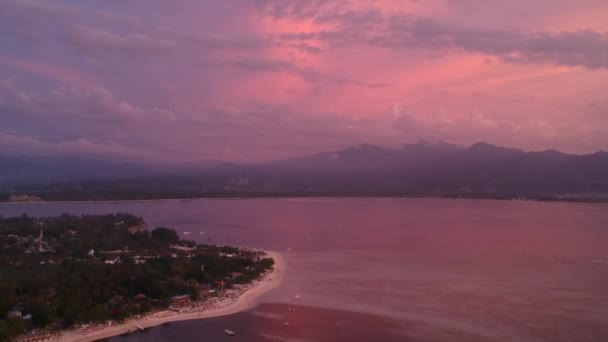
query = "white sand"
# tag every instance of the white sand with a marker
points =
(225, 307)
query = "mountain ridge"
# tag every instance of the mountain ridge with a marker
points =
(437, 169)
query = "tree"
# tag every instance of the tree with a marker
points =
(82, 288)
(41, 314)
(193, 292)
(4, 307)
(165, 235)
(69, 317)
(4, 332)
(15, 326)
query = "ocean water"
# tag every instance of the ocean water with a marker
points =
(398, 269)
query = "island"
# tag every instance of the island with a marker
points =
(83, 278)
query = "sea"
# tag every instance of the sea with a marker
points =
(396, 269)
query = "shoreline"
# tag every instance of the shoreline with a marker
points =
(244, 301)
(582, 200)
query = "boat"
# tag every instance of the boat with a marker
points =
(229, 332)
(286, 324)
(186, 233)
(139, 327)
(297, 296)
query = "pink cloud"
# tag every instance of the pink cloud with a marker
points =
(277, 78)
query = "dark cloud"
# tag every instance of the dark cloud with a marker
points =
(305, 47)
(92, 39)
(300, 9)
(258, 127)
(38, 20)
(20, 143)
(68, 113)
(352, 18)
(13, 97)
(598, 109)
(399, 31)
(256, 64)
(288, 67)
(208, 40)
(297, 36)
(587, 49)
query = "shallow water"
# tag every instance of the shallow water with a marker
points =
(411, 269)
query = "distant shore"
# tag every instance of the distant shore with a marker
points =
(225, 306)
(550, 199)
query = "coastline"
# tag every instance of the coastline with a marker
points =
(582, 200)
(243, 302)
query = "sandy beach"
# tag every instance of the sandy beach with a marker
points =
(238, 301)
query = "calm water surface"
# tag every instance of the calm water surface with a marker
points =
(398, 269)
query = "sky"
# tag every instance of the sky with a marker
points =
(258, 80)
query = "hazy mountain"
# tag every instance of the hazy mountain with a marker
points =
(422, 168)
(437, 169)
(36, 169)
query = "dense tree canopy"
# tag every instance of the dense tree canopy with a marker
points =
(165, 235)
(95, 268)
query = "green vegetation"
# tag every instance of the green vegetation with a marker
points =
(98, 268)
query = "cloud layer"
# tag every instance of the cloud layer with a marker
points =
(255, 80)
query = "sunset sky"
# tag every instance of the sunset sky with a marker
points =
(256, 80)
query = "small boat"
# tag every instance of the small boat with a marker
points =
(202, 233)
(286, 324)
(139, 327)
(297, 296)
(229, 332)
(186, 233)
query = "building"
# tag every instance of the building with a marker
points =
(138, 260)
(24, 198)
(113, 261)
(205, 290)
(220, 284)
(183, 248)
(14, 314)
(137, 229)
(140, 297)
(180, 300)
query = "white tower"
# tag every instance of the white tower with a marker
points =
(40, 249)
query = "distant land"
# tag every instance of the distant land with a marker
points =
(416, 170)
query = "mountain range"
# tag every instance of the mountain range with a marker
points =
(427, 168)
(28, 169)
(421, 169)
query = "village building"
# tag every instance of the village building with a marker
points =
(112, 261)
(182, 248)
(140, 296)
(235, 275)
(205, 290)
(139, 260)
(181, 300)
(14, 314)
